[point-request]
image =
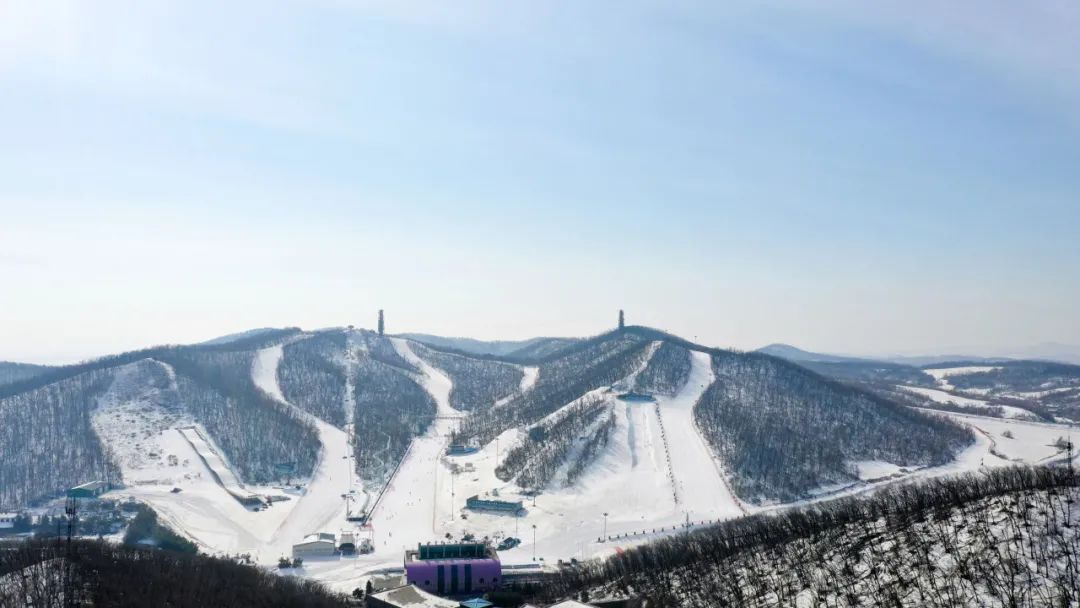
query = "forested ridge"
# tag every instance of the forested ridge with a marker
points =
(666, 372)
(477, 383)
(15, 372)
(587, 366)
(312, 375)
(782, 431)
(255, 432)
(1003, 538)
(391, 409)
(546, 446)
(47, 442)
(107, 575)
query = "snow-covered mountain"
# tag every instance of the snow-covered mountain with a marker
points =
(564, 400)
(337, 422)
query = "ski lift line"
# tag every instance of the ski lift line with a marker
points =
(389, 480)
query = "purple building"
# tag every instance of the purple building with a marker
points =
(453, 569)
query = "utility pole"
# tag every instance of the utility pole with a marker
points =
(382, 324)
(604, 537)
(534, 542)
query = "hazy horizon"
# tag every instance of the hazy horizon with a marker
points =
(844, 177)
(1016, 351)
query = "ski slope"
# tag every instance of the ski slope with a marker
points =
(322, 508)
(700, 481)
(655, 474)
(156, 458)
(654, 455)
(215, 462)
(410, 506)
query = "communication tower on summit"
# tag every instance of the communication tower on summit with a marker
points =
(622, 319)
(382, 326)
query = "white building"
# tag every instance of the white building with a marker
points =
(315, 545)
(7, 520)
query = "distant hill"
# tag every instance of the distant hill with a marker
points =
(15, 372)
(793, 353)
(243, 335)
(496, 348)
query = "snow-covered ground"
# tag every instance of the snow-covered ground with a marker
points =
(164, 459)
(528, 380)
(655, 473)
(941, 375)
(876, 469)
(155, 458)
(940, 396)
(212, 458)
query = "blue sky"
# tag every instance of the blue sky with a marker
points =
(845, 176)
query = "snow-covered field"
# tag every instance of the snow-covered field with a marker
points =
(941, 396)
(941, 375)
(655, 474)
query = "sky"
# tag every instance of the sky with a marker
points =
(845, 176)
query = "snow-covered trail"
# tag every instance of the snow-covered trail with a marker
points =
(322, 506)
(700, 483)
(528, 380)
(410, 510)
(155, 458)
(437, 384)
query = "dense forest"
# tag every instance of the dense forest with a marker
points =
(47, 442)
(1004, 538)
(782, 431)
(15, 372)
(587, 366)
(477, 383)
(547, 446)
(391, 408)
(105, 575)
(256, 433)
(667, 371)
(312, 375)
(872, 372)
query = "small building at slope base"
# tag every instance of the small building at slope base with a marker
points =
(322, 544)
(91, 489)
(484, 504)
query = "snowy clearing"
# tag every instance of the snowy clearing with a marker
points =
(940, 396)
(876, 469)
(941, 374)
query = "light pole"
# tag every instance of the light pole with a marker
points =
(604, 537)
(534, 542)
